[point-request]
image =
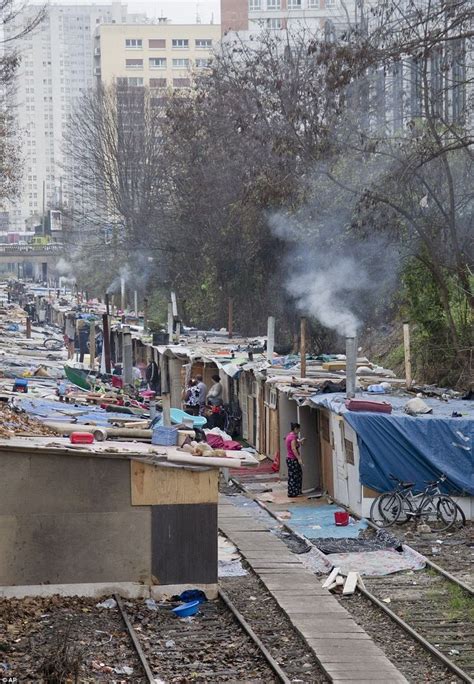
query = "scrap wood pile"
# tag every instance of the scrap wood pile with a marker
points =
(14, 422)
(336, 582)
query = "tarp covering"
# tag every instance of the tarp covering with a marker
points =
(412, 448)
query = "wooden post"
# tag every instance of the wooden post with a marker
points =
(92, 345)
(145, 315)
(406, 347)
(28, 327)
(230, 322)
(127, 356)
(170, 322)
(303, 347)
(106, 342)
(165, 390)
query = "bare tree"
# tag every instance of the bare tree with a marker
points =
(114, 145)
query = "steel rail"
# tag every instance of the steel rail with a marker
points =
(435, 566)
(133, 635)
(261, 647)
(401, 623)
(413, 633)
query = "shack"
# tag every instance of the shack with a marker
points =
(102, 519)
(365, 448)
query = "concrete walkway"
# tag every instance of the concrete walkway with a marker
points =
(344, 649)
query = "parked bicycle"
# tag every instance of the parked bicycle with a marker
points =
(430, 506)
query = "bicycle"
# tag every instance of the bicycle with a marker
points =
(438, 510)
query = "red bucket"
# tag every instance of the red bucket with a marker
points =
(341, 518)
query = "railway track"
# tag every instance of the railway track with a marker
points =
(436, 611)
(218, 646)
(433, 606)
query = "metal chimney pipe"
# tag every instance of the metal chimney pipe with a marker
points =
(270, 338)
(351, 366)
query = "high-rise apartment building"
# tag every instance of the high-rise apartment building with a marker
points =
(250, 16)
(161, 55)
(57, 67)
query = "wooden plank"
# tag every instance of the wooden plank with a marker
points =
(371, 666)
(351, 583)
(156, 486)
(313, 628)
(331, 578)
(198, 565)
(352, 636)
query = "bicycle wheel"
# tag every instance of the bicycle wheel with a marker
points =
(386, 509)
(406, 512)
(53, 344)
(460, 516)
(439, 512)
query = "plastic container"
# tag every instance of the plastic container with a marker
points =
(186, 609)
(164, 436)
(81, 438)
(20, 385)
(341, 518)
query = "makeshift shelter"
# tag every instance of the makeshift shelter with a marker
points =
(365, 448)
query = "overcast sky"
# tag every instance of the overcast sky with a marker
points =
(179, 11)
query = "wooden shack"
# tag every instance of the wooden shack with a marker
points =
(92, 523)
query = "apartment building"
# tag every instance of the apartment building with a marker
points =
(250, 16)
(57, 67)
(161, 55)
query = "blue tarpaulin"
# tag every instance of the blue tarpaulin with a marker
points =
(412, 448)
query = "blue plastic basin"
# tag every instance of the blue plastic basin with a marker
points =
(187, 609)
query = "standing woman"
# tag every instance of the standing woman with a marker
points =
(294, 462)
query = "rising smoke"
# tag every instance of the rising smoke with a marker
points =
(332, 275)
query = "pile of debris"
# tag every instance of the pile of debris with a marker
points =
(15, 422)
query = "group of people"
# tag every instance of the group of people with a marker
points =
(76, 336)
(197, 398)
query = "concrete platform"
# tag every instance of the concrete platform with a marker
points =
(345, 651)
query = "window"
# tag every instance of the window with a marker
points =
(273, 4)
(158, 83)
(294, 4)
(314, 4)
(134, 43)
(134, 63)
(180, 63)
(204, 43)
(349, 449)
(181, 82)
(158, 101)
(131, 81)
(330, 4)
(157, 62)
(202, 63)
(274, 23)
(254, 5)
(181, 43)
(157, 43)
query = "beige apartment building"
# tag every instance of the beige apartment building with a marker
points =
(161, 55)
